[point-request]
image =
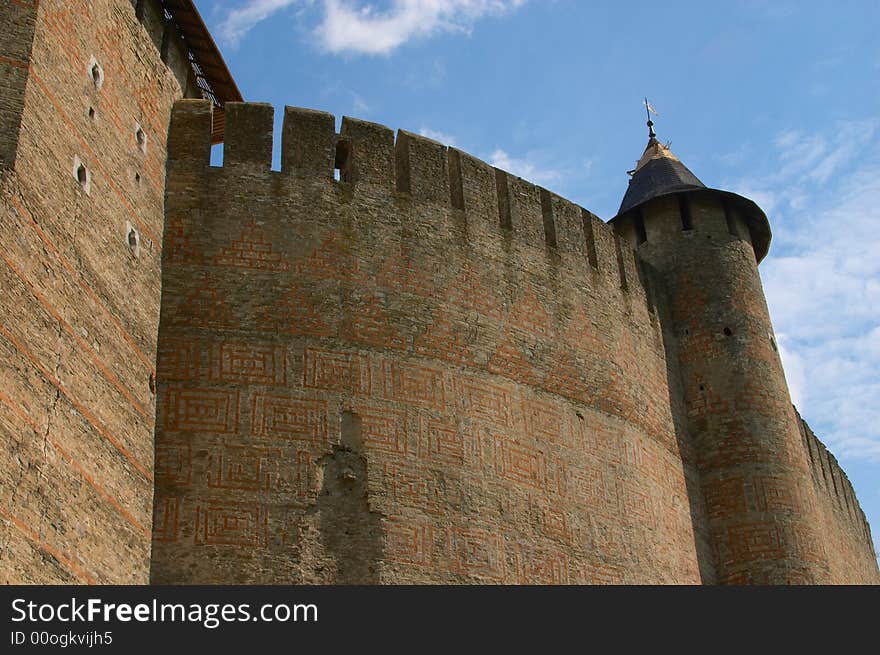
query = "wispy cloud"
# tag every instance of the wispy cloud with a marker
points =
(528, 168)
(358, 27)
(359, 104)
(822, 279)
(531, 166)
(241, 20)
(441, 137)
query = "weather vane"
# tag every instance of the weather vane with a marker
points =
(649, 109)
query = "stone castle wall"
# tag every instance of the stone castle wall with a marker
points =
(427, 371)
(849, 546)
(79, 269)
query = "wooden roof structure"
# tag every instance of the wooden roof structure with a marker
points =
(212, 76)
(661, 173)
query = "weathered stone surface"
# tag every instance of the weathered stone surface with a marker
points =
(79, 310)
(523, 400)
(429, 371)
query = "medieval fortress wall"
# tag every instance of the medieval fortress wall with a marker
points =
(387, 362)
(493, 379)
(849, 545)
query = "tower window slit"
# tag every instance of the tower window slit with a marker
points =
(731, 221)
(641, 233)
(684, 209)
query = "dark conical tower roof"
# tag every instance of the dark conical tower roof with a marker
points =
(661, 173)
(658, 173)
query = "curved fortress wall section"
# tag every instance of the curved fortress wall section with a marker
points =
(847, 535)
(427, 371)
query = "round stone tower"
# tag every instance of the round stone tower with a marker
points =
(702, 247)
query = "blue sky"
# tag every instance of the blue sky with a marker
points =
(775, 100)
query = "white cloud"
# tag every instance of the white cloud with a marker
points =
(238, 22)
(527, 168)
(818, 157)
(822, 280)
(360, 27)
(359, 104)
(355, 26)
(440, 137)
(530, 167)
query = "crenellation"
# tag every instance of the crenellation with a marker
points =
(426, 173)
(189, 135)
(371, 160)
(422, 168)
(308, 143)
(837, 499)
(568, 227)
(390, 362)
(526, 214)
(465, 328)
(249, 128)
(478, 194)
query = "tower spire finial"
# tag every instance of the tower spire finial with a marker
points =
(650, 110)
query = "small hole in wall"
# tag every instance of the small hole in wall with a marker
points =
(152, 383)
(92, 113)
(96, 73)
(82, 175)
(728, 332)
(141, 138)
(579, 415)
(134, 242)
(137, 178)
(702, 388)
(686, 332)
